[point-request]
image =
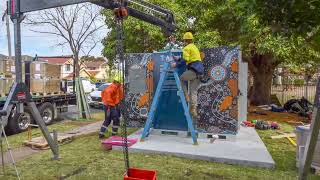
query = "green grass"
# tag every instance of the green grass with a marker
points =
(63, 126)
(17, 139)
(85, 159)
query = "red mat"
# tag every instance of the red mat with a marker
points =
(117, 141)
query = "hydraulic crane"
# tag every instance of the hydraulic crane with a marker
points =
(19, 93)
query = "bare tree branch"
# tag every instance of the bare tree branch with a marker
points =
(75, 25)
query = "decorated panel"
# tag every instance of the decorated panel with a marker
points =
(218, 98)
(139, 88)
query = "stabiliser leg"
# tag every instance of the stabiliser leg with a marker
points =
(20, 95)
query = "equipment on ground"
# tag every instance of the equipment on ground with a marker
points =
(262, 125)
(300, 106)
(169, 80)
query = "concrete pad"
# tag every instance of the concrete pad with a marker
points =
(246, 148)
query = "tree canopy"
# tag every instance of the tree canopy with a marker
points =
(269, 32)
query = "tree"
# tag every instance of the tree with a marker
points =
(268, 32)
(77, 27)
(87, 58)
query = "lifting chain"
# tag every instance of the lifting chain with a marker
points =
(120, 14)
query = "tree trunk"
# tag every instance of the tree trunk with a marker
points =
(77, 63)
(261, 92)
(261, 68)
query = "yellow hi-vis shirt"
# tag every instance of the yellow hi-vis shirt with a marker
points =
(191, 53)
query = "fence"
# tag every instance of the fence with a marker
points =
(294, 91)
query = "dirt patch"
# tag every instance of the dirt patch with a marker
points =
(255, 113)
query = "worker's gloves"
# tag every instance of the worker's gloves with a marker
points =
(173, 65)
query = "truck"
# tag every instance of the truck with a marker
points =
(48, 104)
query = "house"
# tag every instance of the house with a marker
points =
(89, 69)
(97, 69)
(66, 63)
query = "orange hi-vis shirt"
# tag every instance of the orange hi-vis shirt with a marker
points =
(112, 95)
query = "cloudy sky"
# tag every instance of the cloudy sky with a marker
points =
(37, 43)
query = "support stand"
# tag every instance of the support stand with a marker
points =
(82, 103)
(19, 94)
(169, 79)
(3, 135)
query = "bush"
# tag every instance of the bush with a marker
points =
(299, 82)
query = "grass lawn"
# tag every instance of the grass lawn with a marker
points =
(63, 126)
(85, 159)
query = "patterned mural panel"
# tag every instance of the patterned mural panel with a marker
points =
(217, 99)
(139, 88)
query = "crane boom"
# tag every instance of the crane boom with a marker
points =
(139, 9)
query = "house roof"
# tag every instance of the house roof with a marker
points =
(94, 64)
(59, 60)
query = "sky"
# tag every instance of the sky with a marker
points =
(37, 43)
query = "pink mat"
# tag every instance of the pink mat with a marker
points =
(117, 141)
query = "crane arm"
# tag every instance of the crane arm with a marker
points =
(139, 9)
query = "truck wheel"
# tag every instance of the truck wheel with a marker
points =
(47, 112)
(19, 122)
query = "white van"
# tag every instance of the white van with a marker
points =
(88, 86)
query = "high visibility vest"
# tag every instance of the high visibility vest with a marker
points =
(191, 53)
(112, 95)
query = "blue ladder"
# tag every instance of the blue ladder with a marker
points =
(169, 80)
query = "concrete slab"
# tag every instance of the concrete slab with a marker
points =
(246, 148)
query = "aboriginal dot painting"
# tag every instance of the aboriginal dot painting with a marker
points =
(217, 99)
(139, 88)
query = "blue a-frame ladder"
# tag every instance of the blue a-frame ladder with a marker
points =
(169, 79)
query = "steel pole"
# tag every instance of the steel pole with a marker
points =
(8, 36)
(16, 18)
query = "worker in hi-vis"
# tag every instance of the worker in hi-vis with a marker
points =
(111, 98)
(191, 56)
